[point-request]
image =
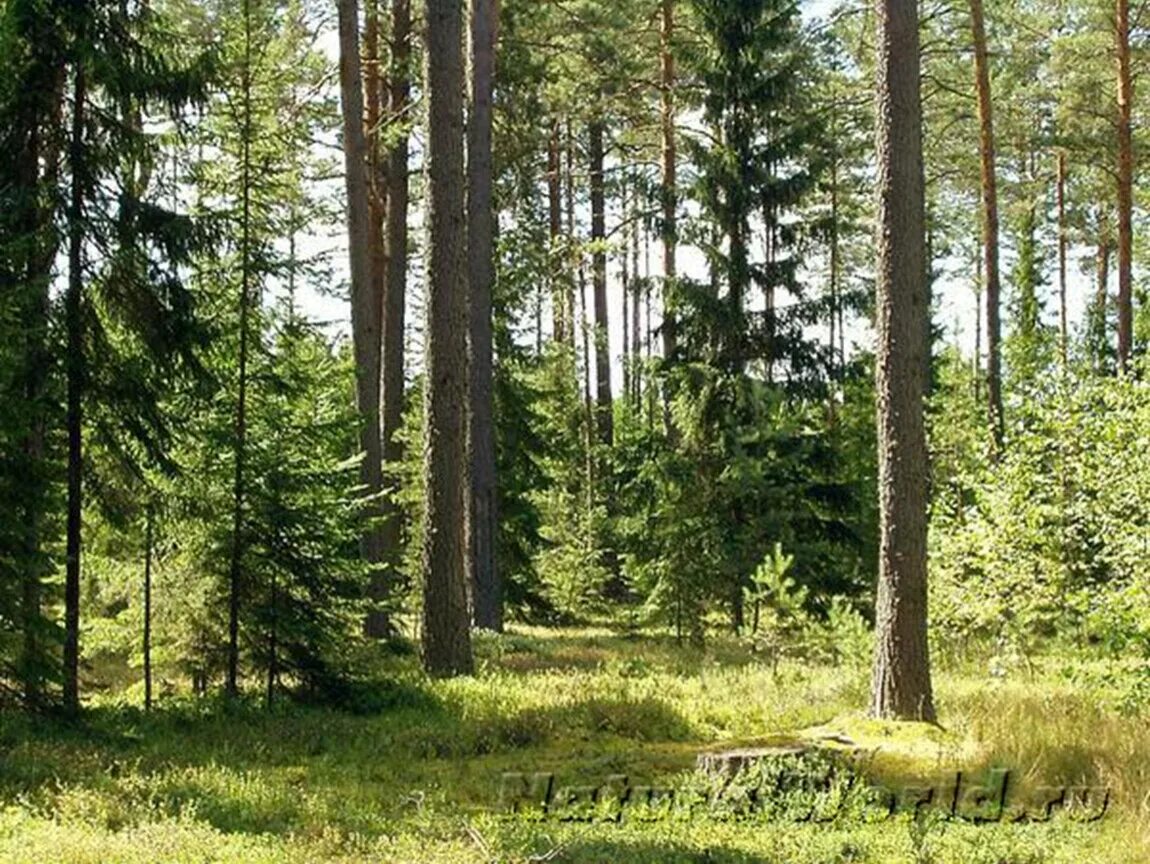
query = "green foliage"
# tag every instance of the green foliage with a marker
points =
(1051, 540)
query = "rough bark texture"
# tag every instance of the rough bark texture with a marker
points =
(604, 420)
(989, 223)
(366, 301)
(1125, 187)
(446, 633)
(486, 586)
(901, 686)
(74, 369)
(394, 296)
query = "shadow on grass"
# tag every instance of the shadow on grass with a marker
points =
(652, 852)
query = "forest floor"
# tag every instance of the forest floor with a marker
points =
(420, 780)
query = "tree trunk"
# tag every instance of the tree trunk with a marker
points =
(149, 544)
(1063, 328)
(382, 544)
(989, 225)
(832, 366)
(1102, 285)
(239, 479)
(1125, 188)
(74, 317)
(576, 254)
(39, 163)
(978, 290)
(636, 303)
(901, 687)
(394, 301)
(603, 401)
(487, 604)
(669, 193)
(366, 301)
(555, 228)
(446, 634)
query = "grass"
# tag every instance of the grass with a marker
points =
(419, 781)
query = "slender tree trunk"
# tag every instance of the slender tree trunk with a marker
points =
(832, 372)
(669, 191)
(636, 307)
(377, 188)
(978, 290)
(37, 266)
(1101, 291)
(273, 645)
(1063, 328)
(604, 416)
(446, 633)
(394, 299)
(625, 291)
(1125, 188)
(486, 584)
(382, 544)
(366, 301)
(75, 372)
(901, 687)
(239, 478)
(989, 224)
(588, 408)
(555, 228)
(576, 254)
(149, 546)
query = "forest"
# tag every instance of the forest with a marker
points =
(574, 431)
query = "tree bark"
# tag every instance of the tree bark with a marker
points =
(366, 300)
(901, 686)
(669, 192)
(1125, 188)
(989, 225)
(446, 634)
(75, 372)
(394, 301)
(603, 401)
(486, 585)
(559, 323)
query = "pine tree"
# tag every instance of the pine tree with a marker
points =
(446, 635)
(901, 687)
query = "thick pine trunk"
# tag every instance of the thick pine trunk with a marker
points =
(901, 687)
(487, 598)
(1125, 187)
(604, 421)
(366, 301)
(446, 633)
(989, 224)
(74, 370)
